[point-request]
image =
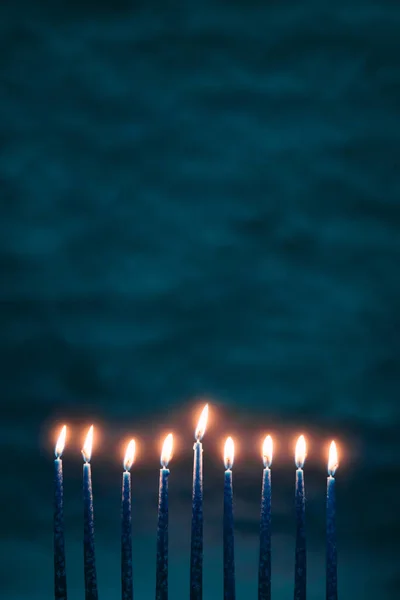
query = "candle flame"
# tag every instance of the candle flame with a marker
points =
(301, 452)
(229, 453)
(129, 455)
(166, 452)
(333, 461)
(267, 451)
(60, 445)
(202, 424)
(87, 446)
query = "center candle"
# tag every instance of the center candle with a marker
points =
(196, 549)
(88, 535)
(126, 525)
(229, 555)
(162, 526)
(300, 577)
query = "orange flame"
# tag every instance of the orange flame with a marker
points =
(301, 452)
(202, 424)
(333, 461)
(229, 453)
(130, 455)
(267, 451)
(60, 445)
(87, 446)
(166, 452)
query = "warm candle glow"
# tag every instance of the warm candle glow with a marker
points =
(87, 446)
(129, 455)
(229, 453)
(166, 452)
(267, 451)
(60, 445)
(301, 452)
(202, 424)
(333, 461)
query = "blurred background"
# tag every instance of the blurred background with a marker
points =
(200, 201)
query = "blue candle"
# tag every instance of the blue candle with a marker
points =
(229, 554)
(88, 521)
(331, 552)
(60, 579)
(162, 527)
(300, 582)
(196, 550)
(126, 529)
(264, 565)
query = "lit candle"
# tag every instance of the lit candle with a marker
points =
(196, 550)
(331, 552)
(88, 531)
(264, 566)
(300, 584)
(162, 527)
(60, 579)
(229, 554)
(126, 530)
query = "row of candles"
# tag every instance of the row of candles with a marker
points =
(196, 554)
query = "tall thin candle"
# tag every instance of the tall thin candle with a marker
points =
(88, 532)
(162, 527)
(126, 525)
(60, 578)
(300, 584)
(229, 555)
(331, 552)
(196, 549)
(264, 565)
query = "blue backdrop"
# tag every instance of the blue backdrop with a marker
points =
(200, 199)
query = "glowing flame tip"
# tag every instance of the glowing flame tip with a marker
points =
(87, 446)
(129, 455)
(333, 461)
(229, 453)
(166, 452)
(202, 424)
(301, 452)
(267, 451)
(60, 445)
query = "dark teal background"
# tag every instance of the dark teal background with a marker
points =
(200, 199)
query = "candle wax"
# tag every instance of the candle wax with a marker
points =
(126, 538)
(264, 569)
(162, 538)
(300, 561)
(88, 538)
(196, 553)
(229, 557)
(60, 579)
(331, 552)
